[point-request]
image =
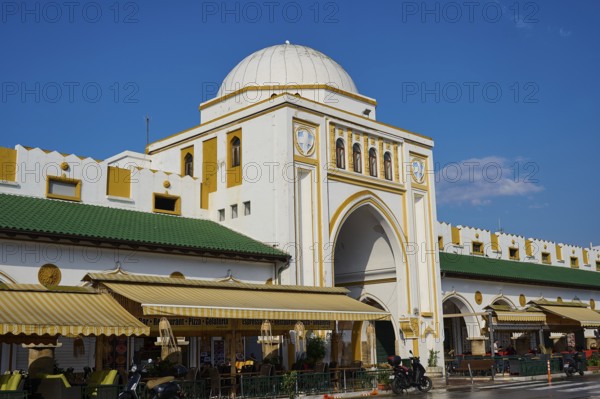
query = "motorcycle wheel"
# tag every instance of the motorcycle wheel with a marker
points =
(569, 372)
(399, 384)
(580, 372)
(425, 385)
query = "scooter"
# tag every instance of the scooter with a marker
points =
(573, 365)
(162, 387)
(406, 377)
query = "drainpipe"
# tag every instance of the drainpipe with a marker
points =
(278, 271)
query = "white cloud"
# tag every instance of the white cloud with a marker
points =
(478, 181)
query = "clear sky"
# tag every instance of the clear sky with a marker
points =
(507, 89)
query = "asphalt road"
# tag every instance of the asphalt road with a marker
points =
(575, 387)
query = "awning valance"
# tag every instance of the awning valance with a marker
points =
(526, 317)
(583, 316)
(245, 301)
(45, 312)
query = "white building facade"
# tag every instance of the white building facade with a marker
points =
(290, 154)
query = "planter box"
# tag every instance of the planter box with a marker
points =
(434, 371)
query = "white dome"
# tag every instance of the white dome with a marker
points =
(286, 64)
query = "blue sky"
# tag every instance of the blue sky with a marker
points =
(507, 89)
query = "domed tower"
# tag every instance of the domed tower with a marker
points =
(290, 153)
(291, 68)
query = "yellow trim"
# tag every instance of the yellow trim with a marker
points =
(585, 257)
(367, 282)
(597, 265)
(350, 143)
(529, 247)
(455, 235)
(427, 314)
(297, 121)
(380, 158)
(209, 177)
(473, 243)
(286, 104)
(184, 152)
(574, 265)
(421, 187)
(356, 340)
(64, 179)
(332, 146)
(177, 199)
(8, 164)
(234, 173)
(559, 252)
(365, 155)
(364, 181)
(398, 164)
(440, 243)
(306, 160)
(286, 87)
(434, 257)
(118, 182)
(494, 240)
(549, 260)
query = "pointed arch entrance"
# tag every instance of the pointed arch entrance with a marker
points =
(368, 254)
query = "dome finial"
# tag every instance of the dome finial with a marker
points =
(287, 42)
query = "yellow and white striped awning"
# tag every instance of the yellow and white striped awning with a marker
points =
(246, 302)
(35, 310)
(583, 316)
(521, 316)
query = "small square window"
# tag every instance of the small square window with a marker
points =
(546, 258)
(234, 211)
(164, 203)
(221, 215)
(247, 208)
(513, 253)
(598, 265)
(574, 261)
(63, 188)
(477, 248)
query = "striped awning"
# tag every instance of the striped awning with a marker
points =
(35, 310)
(245, 301)
(583, 316)
(526, 317)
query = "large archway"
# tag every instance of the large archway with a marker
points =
(460, 324)
(366, 259)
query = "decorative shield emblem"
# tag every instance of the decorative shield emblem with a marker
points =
(305, 140)
(418, 170)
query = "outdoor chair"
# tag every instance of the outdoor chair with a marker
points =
(219, 386)
(11, 386)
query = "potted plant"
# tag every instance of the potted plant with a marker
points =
(593, 363)
(432, 363)
(383, 378)
(288, 384)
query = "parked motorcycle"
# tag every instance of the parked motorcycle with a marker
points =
(162, 387)
(406, 377)
(573, 365)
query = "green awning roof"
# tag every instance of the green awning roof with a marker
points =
(72, 220)
(482, 268)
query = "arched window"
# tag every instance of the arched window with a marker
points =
(357, 158)
(235, 152)
(373, 162)
(340, 154)
(188, 164)
(387, 165)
